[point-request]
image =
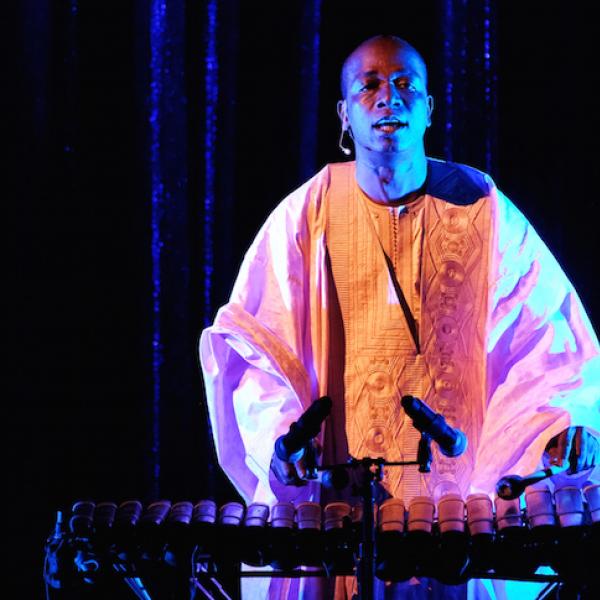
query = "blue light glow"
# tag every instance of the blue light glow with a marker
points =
(309, 109)
(157, 43)
(489, 85)
(563, 339)
(211, 87)
(448, 76)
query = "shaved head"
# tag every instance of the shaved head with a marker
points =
(390, 41)
(385, 107)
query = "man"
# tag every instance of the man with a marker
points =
(400, 275)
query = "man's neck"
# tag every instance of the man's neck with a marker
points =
(391, 179)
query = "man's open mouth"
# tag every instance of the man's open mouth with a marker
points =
(389, 124)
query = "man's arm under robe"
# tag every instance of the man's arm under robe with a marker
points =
(543, 370)
(260, 356)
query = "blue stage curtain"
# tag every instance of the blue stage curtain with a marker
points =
(469, 101)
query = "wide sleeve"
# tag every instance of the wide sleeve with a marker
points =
(543, 365)
(257, 356)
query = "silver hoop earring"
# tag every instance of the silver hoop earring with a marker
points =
(341, 146)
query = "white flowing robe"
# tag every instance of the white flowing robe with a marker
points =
(265, 358)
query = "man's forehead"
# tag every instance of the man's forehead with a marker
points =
(375, 59)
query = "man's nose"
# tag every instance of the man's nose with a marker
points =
(388, 95)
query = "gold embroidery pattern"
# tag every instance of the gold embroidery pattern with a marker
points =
(454, 312)
(381, 362)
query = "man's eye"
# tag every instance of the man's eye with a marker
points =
(369, 86)
(404, 84)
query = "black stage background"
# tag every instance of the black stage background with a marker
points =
(86, 417)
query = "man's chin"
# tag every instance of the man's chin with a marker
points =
(393, 145)
(385, 146)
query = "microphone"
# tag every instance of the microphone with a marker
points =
(341, 146)
(510, 487)
(292, 446)
(452, 442)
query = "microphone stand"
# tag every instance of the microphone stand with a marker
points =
(371, 473)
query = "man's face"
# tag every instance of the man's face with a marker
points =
(386, 106)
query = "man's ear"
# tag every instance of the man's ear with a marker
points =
(429, 109)
(343, 113)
